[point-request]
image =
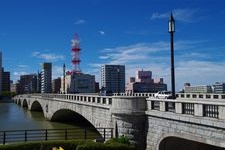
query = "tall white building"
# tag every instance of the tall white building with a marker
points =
(0, 72)
(46, 78)
(113, 78)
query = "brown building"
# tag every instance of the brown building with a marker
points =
(144, 83)
(56, 85)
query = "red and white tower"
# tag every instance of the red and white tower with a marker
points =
(76, 55)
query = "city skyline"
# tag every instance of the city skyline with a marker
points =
(131, 33)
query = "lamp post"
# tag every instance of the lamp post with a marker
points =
(118, 76)
(171, 31)
(64, 74)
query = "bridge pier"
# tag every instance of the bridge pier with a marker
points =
(129, 119)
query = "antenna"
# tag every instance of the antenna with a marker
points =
(76, 55)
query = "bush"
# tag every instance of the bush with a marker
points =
(101, 146)
(44, 145)
(122, 139)
(69, 145)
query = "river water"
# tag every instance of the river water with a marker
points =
(15, 117)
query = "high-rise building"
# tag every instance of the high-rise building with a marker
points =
(113, 78)
(5, 80)
(0, 73)
(46, 78)
(38, 82)
(27, 84)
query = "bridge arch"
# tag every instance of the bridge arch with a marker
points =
(177, 142)
(24, 103)
(36, 106)
(19, 102)
(68, 115)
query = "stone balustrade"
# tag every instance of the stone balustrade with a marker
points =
(213, 108)
(200, 96)
(91, 98)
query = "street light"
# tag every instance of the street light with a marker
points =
(64, 74)
(171, 31)
(118, 76)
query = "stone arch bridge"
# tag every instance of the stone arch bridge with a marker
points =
(192, 121)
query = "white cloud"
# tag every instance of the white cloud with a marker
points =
(159, 16)
(22, 66)
(81, 21)
(199, 72)
(35, 53)
(190, 64)
(103, 57)
(102, 32)
(19, 73)
(48, 57)
(184, 15)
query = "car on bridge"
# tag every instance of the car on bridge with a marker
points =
(105, 93)
(163, 94)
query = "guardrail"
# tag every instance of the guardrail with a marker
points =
(53, 134)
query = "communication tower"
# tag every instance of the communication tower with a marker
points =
(76, 55)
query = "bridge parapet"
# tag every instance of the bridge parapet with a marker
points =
(134, 94)
(210, 112)
(201, 96)
(201, 120)
(210, 108)
(90, 99)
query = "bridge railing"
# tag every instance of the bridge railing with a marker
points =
(53, 134)
(201, 96)
(134, 94)
(213, 108)
(95, 99)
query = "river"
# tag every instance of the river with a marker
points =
(15, 117)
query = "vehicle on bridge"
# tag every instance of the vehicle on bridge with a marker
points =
(163, 94)
(105, 93)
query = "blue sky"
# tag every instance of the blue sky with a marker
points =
(127, 32)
